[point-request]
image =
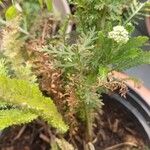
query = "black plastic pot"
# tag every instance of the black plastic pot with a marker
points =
(137, 106)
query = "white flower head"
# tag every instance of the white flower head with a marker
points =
(119, 34)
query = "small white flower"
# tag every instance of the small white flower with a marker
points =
(119, 34)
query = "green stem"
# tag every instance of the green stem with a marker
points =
(89, 124)
(103, 18)
(135, 13)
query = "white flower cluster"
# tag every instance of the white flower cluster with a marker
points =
(119, 34)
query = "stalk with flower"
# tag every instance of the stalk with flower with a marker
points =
(119, 34)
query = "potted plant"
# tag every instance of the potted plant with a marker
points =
(73, 74)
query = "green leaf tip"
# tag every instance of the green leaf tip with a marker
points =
(14, 117)
(11, 13)
(24, 95)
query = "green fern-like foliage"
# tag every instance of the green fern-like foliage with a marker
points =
(136, 11)
(3, 105)
(15, 117)
(26, 96)
(12, 48)
(11, 44)
(91, 59)
(119, 56)
(3, 67)
(99, 14)
(25, 72)
(21, 100)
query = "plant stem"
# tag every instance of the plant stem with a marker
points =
(135, 13)
(103, 18)
(89, 122)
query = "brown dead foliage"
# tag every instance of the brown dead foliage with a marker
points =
(113, 84)
(117, 85)
(51, 84)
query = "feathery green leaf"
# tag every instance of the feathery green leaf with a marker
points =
(136, 11)
(15, 117)
(25, 95)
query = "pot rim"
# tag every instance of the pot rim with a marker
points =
(136, 110)
(141, 90)
(62, 6)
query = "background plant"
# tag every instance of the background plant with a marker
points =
(34, 15)
(21, 100)
(105, 13)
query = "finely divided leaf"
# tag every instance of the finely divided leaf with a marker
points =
(14, 117)
(136, 11)
(25, 95)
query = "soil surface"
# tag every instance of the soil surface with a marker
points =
(117, 130)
